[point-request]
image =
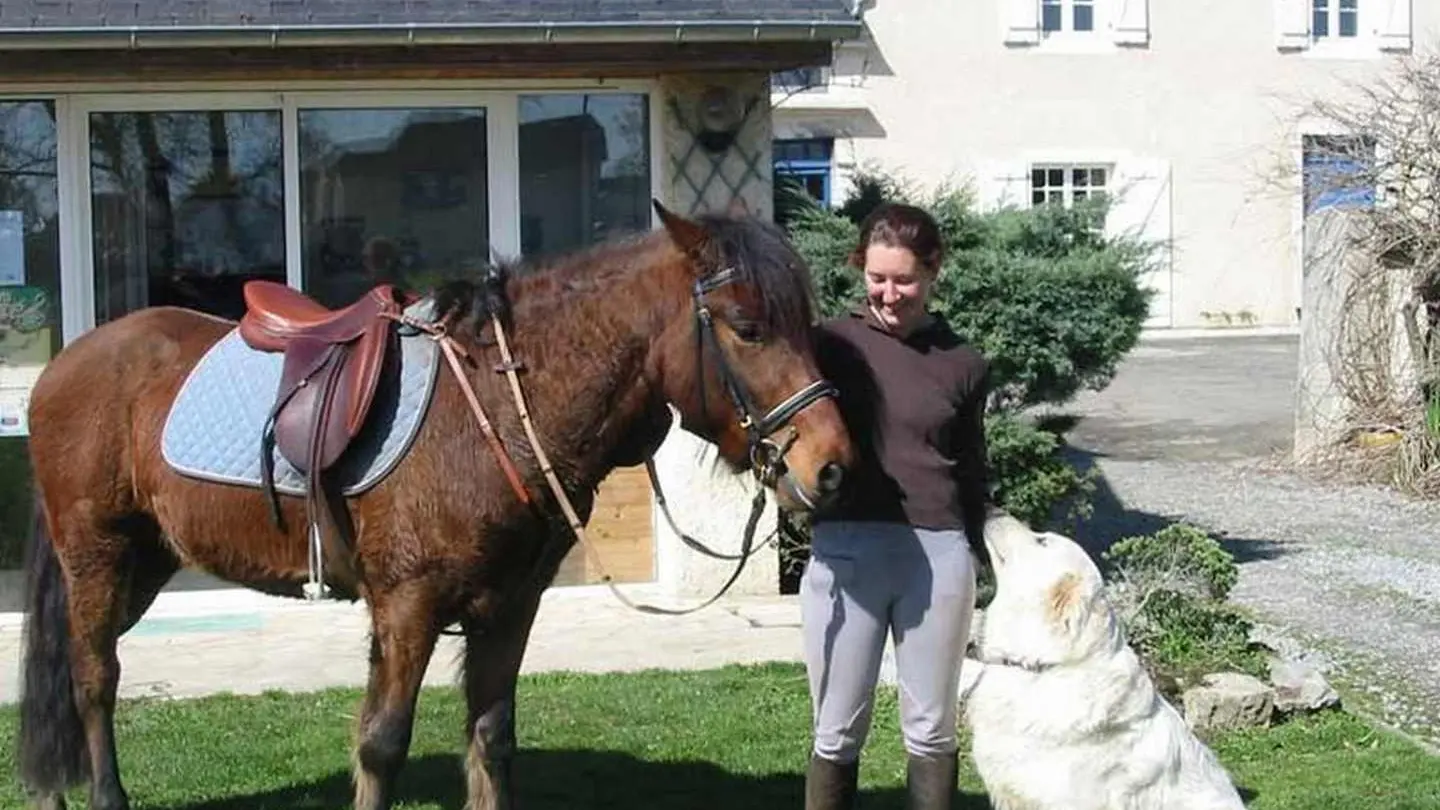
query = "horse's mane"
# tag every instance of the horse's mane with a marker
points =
(757, 250)
(762, 257)
(466, 301)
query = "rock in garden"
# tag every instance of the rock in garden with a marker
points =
(1228, 700)
(1300, 688)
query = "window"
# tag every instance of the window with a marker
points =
(1334, 19)
(186, 207)
(390, 195)
(804, 163)
(188, 195)
(799, 79)
(1337, 172)
(584, 169)
(1344, 28)
(1067, 184)
(1067, 15)
(1079, 26)
(30, 325)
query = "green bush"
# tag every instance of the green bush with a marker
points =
(1169, 589)
(1028, 475)
(1179, 557)
(1052, 302)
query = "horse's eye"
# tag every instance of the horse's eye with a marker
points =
(748, 331)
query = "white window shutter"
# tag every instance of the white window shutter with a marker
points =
(1003, 183)
(1130, 22)
(1141, 208)
(1292, 24)
(1394, 31)
(1021, 21)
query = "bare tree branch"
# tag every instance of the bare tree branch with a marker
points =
(1373, 148)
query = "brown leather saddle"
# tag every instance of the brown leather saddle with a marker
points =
(334, 361)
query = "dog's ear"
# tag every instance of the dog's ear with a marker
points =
(1065, 597)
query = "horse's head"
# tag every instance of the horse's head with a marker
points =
(739, 365)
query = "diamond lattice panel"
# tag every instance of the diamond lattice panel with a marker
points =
(702, 181)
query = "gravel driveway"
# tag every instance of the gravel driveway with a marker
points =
(1198, 430)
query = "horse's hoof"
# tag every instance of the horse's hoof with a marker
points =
(48, 801)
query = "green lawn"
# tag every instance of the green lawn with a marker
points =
(734, 737)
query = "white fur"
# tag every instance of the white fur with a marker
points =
(1087, 731)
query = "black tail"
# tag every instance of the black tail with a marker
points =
(52, 741)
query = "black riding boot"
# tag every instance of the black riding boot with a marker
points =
(830, 785)
(932, 781)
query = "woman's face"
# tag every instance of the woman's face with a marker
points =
(897, 287)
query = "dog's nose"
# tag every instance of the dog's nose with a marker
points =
(831, 477)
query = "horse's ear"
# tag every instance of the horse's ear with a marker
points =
(688, 236)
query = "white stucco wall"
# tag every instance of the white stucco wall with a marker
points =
(1197, 113)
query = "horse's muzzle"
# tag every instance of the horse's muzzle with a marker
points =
(831, 478)
(827, 487)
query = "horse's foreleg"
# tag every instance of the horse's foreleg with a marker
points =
(403, 627)
(493, 653)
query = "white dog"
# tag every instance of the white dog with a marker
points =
(1062, 714)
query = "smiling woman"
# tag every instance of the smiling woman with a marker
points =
(893, 556)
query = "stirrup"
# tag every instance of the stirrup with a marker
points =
(316, 590)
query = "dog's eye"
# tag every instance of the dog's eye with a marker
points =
(1043, 539)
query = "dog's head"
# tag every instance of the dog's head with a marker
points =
(1049, 607)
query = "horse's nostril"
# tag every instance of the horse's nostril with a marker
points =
(832, 475)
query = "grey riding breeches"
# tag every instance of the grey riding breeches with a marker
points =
(865, 581)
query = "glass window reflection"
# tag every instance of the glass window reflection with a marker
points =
(394, 196)
(584, 169)
(186, 208)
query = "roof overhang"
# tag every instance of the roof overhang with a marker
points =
(420, 34)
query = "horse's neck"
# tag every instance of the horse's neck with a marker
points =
(590, 386)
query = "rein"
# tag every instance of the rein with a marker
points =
(766, 454)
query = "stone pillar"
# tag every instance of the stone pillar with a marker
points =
(1352, 321)
(707, 501)
(1319, 405)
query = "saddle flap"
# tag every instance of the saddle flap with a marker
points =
(334, 386)
(362, 375)
(312, 371)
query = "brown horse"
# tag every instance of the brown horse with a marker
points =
(709, 316)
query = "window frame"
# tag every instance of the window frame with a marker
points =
(810, 79)
(501, 104)
(1068, 187)
(1334, 11)
(1322, 161)
(1067, 18)
(808, 167)
(63, 249)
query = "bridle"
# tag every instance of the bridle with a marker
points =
(767, 455)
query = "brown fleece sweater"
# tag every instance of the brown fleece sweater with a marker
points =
(914, 407)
